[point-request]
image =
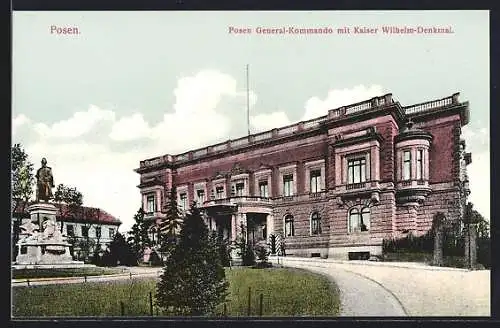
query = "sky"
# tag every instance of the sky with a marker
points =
(135, 85)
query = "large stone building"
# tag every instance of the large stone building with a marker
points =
(331, 186)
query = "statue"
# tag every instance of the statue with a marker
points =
(44, 182)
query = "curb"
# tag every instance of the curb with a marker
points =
(370, 263)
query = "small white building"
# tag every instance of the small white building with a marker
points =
(75, 223)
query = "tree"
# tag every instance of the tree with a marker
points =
(172, 222)
(23, 178)
(120, 252)
(139, 234)
(71, 197)
(169, 227)
(483, 226)
(193, 280)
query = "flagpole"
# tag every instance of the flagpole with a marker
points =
(248, 104)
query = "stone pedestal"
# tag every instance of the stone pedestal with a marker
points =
(471, 245)
(42, 243)
(438, 246)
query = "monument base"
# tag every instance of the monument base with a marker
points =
(42, 242)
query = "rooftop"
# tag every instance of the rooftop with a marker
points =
(81, 214)
(344, 112)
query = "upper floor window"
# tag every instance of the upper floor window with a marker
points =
(406, 165)
(289, 228)
(183, 201)
(359, 221)
(70, 230)
(150, 204)
(420, 164)
(263, 189)
(315, 181)
(200, 196)
(219, 192)
(288, 185)
(240, 187)
(111, 233)
(315, 224)
(356, 170)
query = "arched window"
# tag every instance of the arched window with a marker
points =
(354, 219)
(289, 229)
(359, 221)
(365, 219)
(315, 224)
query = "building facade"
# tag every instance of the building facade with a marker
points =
(331, 186)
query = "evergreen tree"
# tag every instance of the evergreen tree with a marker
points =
(169, 227)
(139, 234)
(193, 280)
(172, 222)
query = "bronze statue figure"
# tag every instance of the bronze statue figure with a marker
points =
(44, 182)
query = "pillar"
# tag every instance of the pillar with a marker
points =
(269, 226)
(471, 245)
(234, 227)
(438, 245)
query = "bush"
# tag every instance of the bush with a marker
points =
(248, 256)
(155, 259)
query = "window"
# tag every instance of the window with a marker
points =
(359, 221)
(356, 170)
(315, 181)
(200, 195)
(219, 192)
(85, 231)
(239, 188)
(183, 202)
(315, 224)
(406, 165)
(111, 233)
(70, 230)
(420, 166)
(150, 204)
(98, 232)
(288, 185)
(263, 188)
(289, 229)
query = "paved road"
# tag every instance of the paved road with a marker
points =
(359, 296)
(422, 290)
(134, 273)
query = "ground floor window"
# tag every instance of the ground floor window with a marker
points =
(289, 228)
(359, 220)
(315, 224)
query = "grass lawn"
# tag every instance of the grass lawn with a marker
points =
(56, 272)
(285, 293)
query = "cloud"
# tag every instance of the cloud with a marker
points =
(335, 98)
(130, 128)
(269, 121)
(78, 125)
(315, 107)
